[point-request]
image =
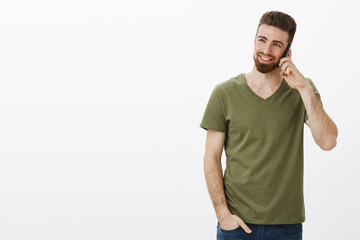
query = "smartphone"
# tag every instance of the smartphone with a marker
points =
(286, 54)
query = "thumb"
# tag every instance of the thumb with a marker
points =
(245, 227)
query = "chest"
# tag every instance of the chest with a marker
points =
(256, 115)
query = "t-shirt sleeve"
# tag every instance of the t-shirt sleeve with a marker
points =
(317, 94)
(214, 117)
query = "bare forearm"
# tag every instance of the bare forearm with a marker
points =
(322, 127)
(215, 185)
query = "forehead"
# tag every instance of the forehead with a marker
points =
(273, 33)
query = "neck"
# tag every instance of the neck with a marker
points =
(267, 80)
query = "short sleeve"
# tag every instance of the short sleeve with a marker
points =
(317, 94)
(214, 117)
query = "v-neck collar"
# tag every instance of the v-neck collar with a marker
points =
(277, 91)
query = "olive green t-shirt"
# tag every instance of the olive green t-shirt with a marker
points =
(263, 178)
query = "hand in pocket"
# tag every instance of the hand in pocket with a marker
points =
(232, 222)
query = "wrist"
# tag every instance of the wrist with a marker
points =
(305, 88)
(222, 213)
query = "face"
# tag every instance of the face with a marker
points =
(269, 47)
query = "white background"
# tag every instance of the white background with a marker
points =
(101, 101)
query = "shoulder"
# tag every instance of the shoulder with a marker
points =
(230, 84)
(312, 84)
(309, 80)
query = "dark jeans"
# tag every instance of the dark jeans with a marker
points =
(263, 232)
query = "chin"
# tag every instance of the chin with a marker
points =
(265, 68)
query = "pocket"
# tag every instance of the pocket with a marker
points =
(291, 228)
(231, 230)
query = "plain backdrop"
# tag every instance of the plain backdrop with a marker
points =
(101, 101)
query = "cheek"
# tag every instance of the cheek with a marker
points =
(257, 50)
(279, 52)
(257, 47)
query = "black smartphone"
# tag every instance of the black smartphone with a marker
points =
(286, 54)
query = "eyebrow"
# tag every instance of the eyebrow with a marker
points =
(276, 41)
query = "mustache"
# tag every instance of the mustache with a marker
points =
(267, 56)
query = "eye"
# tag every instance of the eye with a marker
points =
(261, 40)
(277, 45)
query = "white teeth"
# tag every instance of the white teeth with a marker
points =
(266, 59)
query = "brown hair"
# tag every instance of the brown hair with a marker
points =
(280, 20)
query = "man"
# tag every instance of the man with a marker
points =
(259, 118)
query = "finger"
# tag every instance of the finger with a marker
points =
(288, 70)
(284, 66)
(245, 227)
(284, 60)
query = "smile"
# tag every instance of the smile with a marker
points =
(265, 58)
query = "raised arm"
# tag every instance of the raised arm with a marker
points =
(323, 129)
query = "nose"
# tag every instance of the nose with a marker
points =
(267, 49)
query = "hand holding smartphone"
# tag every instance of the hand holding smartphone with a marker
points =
(286, 54)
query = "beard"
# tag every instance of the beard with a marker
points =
(265, 67)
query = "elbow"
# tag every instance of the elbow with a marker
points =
(328, 142)
(328, 145)
(326, 139)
